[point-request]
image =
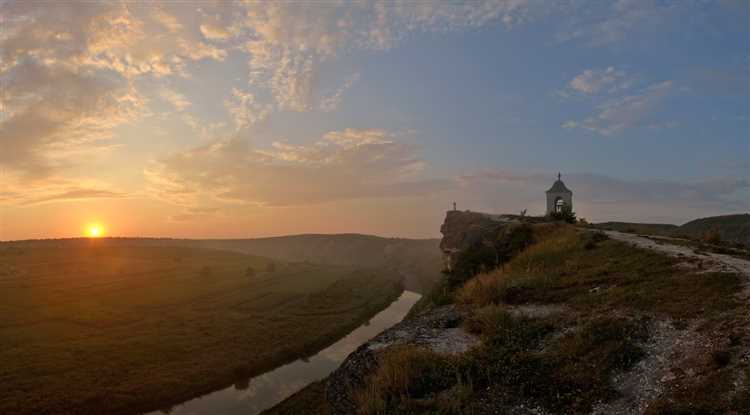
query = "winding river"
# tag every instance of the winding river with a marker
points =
(270, 388)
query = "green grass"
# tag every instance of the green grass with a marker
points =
(91, 328)
(568, 268)
(608, 292)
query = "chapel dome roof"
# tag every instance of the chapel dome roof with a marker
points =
(558, 187)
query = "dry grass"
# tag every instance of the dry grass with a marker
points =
(406, 381)
(564, 363)
(92, 329)
(569, 266)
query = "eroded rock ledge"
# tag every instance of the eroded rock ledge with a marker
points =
(437, 330)
(464, 229)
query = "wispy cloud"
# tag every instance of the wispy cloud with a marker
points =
(348, 164)
(55, 189)
(176, 99)
(245, 109)
(331, 102)
(622, 113)
(596, 81)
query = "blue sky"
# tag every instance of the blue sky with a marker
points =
(228, 119)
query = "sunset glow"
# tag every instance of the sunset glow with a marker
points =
(94, 231)
(249, 119)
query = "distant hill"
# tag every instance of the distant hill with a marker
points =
(734, 228)
(419, 261)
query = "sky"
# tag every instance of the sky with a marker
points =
(248, 119)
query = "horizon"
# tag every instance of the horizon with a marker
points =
(240, 121)
(291, 235)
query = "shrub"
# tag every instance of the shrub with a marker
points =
(471, 261)
(513, 239)
(591, 240)
(482, 290)
(712, 236)
(566, 215)
(404, 375)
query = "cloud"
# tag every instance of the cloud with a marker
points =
(594, 81)
(331, 102)
(165, 19)
(288, 44)
(600, 197)
(622, 113)
(55, 113)
(603, 23)
(17, 191)
(214, 32)
(176, 99)
(342, 165)
(245, 109)
(68, 72)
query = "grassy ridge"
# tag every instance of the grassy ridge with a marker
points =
(89, 328)
(557, 322)
(728, 228)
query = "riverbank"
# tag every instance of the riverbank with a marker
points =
(557, 318)
(251, 396)
(91, 329)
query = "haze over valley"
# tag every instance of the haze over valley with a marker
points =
(374, 207)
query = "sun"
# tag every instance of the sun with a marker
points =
(95, 230)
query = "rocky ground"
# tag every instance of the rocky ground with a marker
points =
(688, 358)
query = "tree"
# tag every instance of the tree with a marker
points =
(565, 214)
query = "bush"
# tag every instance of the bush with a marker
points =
(566, 215)
(482, 290)
(407, 377)
(513, 239)
(712, 236)
(478, 258)
(591, 240)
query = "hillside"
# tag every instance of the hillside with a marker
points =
(418, 261)
(555, 319)
(731, 228)
(108, 326)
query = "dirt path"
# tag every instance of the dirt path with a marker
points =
(711, 261)
(671, 349)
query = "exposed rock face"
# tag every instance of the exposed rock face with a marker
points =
(464, 229)
(436, 330)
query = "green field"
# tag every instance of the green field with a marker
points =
(92, 327)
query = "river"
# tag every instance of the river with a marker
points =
(266, 390)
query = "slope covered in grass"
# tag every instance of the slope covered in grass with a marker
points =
(579, 323)
(727, 228)
(93, 327)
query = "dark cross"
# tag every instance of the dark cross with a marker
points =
(558, 175)
(454, 206)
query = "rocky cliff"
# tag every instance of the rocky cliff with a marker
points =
(465, 229)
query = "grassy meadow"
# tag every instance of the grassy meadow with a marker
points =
(558, 321)
(93, 326)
